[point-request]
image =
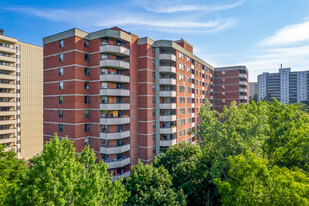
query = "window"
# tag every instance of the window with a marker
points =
(104, 56)
(153, 112)
(60, 85)
(61, 43)
(189, 100)
(154, 136)
(154, 124)
(188, 59)
(188, 69)
(182, 122)
(60, 71)
(86, 86)
(188, 79)
(87, 113)
(181, 56)
(86, 141)
(189, 110)
(181, 77)
(154, 75)
(87, 43)
(181, 99)
(87, 58)
(60, 99)
(189, 121)
(61, 113)
(182, 133)
(181, 88)
(181, 110)
(61, 57)
(104, 41)
(154, 99)
(154, 62)
(86, 127)
(60, 127)
(86, 71)
(86, 99)
(181, 66)
(188, 89)
(154, 87)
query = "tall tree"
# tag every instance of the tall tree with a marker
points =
(152, 186)
(60, 177)
(251, 182)
(11, 170)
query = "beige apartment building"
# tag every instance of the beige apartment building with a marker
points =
(21, 92)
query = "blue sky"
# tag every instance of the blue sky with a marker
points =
(261, 34)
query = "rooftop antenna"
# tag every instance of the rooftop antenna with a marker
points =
(281, 66)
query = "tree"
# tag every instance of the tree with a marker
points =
(60, 177)
(152, 186)
(11, 170)
(183, 161)
(251, 182)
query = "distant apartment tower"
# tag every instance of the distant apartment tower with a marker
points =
(21, 97)
(127, 97)
(286, 86)
(253, 90)
(230, 84)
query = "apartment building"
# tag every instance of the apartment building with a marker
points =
(230, 84)
(127, 97)
(286, 86)
(21, 91)
(253, 90)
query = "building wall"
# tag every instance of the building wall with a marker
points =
(253, 89)
(31, 101)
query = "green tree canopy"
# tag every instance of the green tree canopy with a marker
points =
(152, 186)
(60, 177)
(11, 170)
(251, 182)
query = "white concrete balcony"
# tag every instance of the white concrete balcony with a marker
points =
(9, 95)
(115, 121)
(193, 124)
(7, 59)
(170, 130)
(8, 86)
(5, 122)
(192, 76)
(118, 64)
(7, 50)
(115, 106)
(167, 93)
(203, 88)
(8, 131)
(119, 163)
(8, 76)
(192, 95)
(167, 143)
(203, 96)
(192, 85)
(242, 90)
(115, 135)
(193, 115)
(7, 104)
(203, 80)
(168, 81)
(115, 49)
(167, 69)
(211, 90)
(171, 57)
(168, 106)
(242, 82)
(114, 78)
(115, 150)
(193, 105)
(8, 68)
(123, 175)
(243, 97)
(242, 75)
(8, 140)
(8, 113)
(114, 92)
(168, 118)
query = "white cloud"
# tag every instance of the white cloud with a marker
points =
(288, 35)
(173, 6)
(115, 18)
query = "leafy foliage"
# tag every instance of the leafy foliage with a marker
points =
(251, 182)
(152, 186)
(11, 170)
(60, 177)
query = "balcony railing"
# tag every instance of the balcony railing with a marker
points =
(115, 150)
(115, 120)
(112, 77)
(114, 92)
(167, 69)
(115, 49)
(170, 57)
(168, 106)
(167, 143)
(118, 163)
(113, 63)
(115, 135)
(115, 106)
(122, 175)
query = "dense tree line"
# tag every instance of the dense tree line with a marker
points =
(255, 154)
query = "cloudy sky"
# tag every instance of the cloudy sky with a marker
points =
(261, 34)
